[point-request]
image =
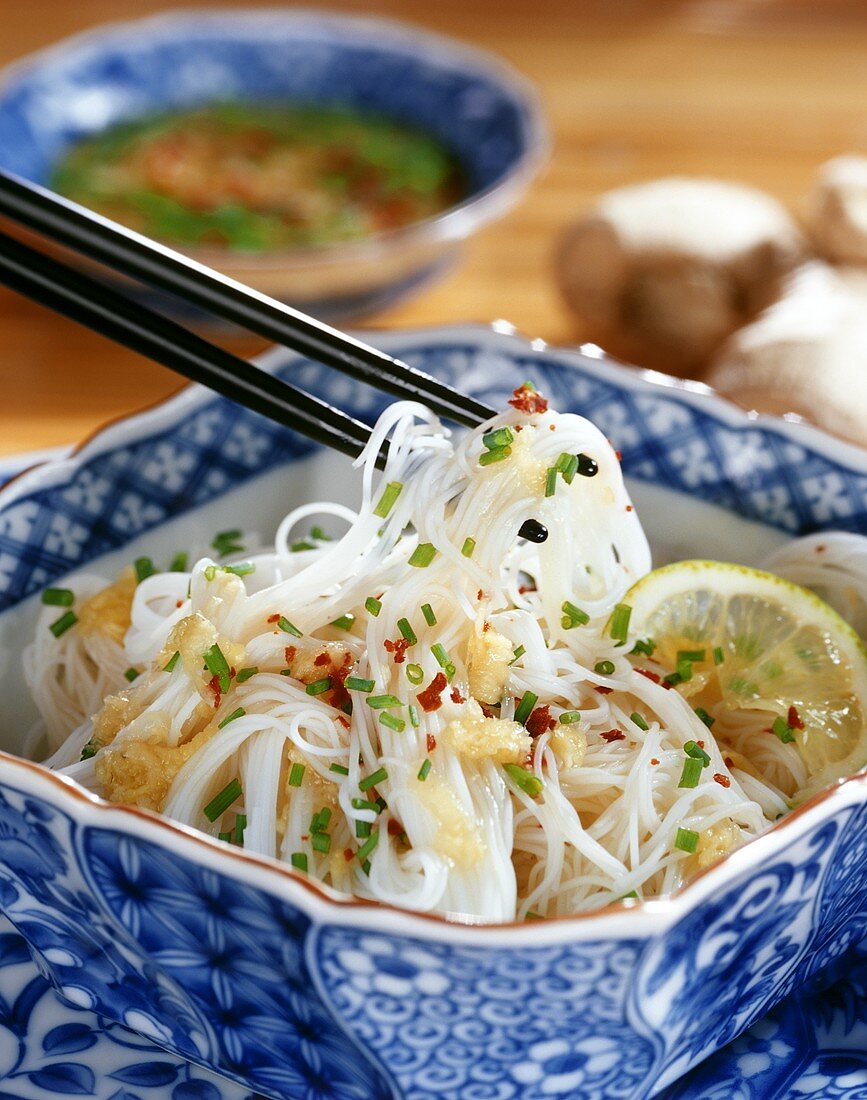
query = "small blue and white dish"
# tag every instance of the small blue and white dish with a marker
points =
(484, 112)
(246, 968)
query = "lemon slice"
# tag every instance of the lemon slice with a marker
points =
(748, 640)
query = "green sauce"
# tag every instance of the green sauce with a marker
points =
(260, 177)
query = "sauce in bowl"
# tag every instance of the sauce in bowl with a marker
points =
(259, 177)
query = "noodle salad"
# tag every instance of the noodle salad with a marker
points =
(430, 711)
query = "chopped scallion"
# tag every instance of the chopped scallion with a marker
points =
(405, 627)
(573, 616)
(413, 715)
(240, 826)
(344, 622)
(526, 781)
(382, 702)
(639, 720)
(131, 674)
(692, 655)
(321, 842)
(414, 673)
(221, 802)
(179, 562)
(423, 555)
(519, 652)
(61, 625)
(696, 752)
(367, 848)
(357, 683)
(144, 568)
(239, 713)
(645, 646)
(468, 547)
(569, 717)
(619, 627)
(691, 773)
(783, 730)
(319, 687)
(551, 481)
(58, 597)
(424, 770)
(498, 437)
(708, 719)
(388, 499)
(242, 569)
(391, 722)
(288, 628)
(371, 780)
(244, 674)
(373, 606)
(296, 774)
(299, 861)
(525, 707)
(498, 454)
(170, 664)
(218, 666)
(718, 655)
(686, 840)
(604, 668)
(441, 655)
(428, 613)
(227, 542)
(338, 769)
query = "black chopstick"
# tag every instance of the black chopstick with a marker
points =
(140, 258)
(78, 296)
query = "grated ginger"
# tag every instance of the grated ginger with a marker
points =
(475, 737)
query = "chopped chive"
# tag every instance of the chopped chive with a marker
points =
(519, 652)
(221, 802)
(61, 625)
(239, 713)
(296, 774)
(498, 437)
(381, 702)
(488, 458)
(413, 715)
(392, 723)
(533, 915)
(450, 671)
(573, 616)
(428, 613)
(357, 683)
(169, 666)
(363, 804)
(226, 542)
(526, 781)
(691, 773)
(686, 840)
(89, 750)
(210, 572)
(604, 668)
(673, 679)
(525, 707)
(783, 730)
(301, 544)
(318, 687)
(405, 627)
(569, 717)
(631, 894)
(570, 469)
(696, 752)
(58, 597)
(317, 533)
(367, 848)
(366, 867)
(684, 671)
(639, 720)
(423, 555)
(424, 770)
(218, 666)
(619, 627)
(242, 569)
(244, 674)
(362, 829)
(227, 836)
(645, 646)
(551, 481)
(299, 861)
(414, 673)
(285, 671)
(338, 769)
(240, 826)
(179, 562)
(388, 499)
(441, 655)
(321, 842)
(319, 821)
(144, 568)
(373, 606)
(344, 622)
(288, 628)
(691, 655)
(371, 780)
(718, 655)
(708, 719)
(131, 674)
(468, 547)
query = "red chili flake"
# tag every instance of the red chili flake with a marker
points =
(338, 696)
(486, 627)
(274, 618)
(552, 427)
(348, 854)
(700, 744)
(524, 588)
(821, 548)
(628, 507)
(654, 676)
(214, 686)
(430, 742)
(728, 761)
(613, 735)
(723, 780)
(653, 760)
(528, 401)
(480, 595)
(618, 456)
(604, 690)
(540, 721)
(457, 697)
(289, 653)
(179, 603)
(488, 713)
(323, 658)
(344, 721)
(430, 698)
(398, 647)
(794, 719)
(394, 827)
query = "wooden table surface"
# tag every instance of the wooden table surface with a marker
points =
(756, 90)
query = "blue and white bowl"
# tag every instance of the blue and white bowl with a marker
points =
(476, 105)
(244, 966)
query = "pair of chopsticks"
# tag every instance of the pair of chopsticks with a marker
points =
(69, 291)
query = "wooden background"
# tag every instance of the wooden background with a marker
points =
(756, 90)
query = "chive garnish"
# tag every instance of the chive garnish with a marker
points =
(423, 555)
(673, 678)
(363, 804)
(405, 627)
(718, 655)
(783, 730)
(639, 720)
(144, 568)
(169, 666)
(226, 542)
(299, 861)
(221, 802)
(58, 597)
(344, 622)
(604, 668)
(131, 674)
(317, 533)
(693, 655)
(301, 544)
(424, 770)
(519, 652)
(367, 848)
(381, 702)
(288, 628)
(296, 774)
(319, 821)
(551, 481)
(498, 437)
(373, 606)
(338, 769)
(388, 499)
(371, 780)
(356, 683)
(525, 707)
(696, 752)
(488, 458)
(61, 625)
(240, 826)
(210, 572)
(179, 562)
(244, 674)
(318, 687)
(243, 569)
(691, 773)
(428, 613)
(684, 671)
(686, 840)
(239, 713)
(218, 666)
(413, 715)
(573, 616)
(414, 673)
(526, 781)
(321, 842)
(708, 719)
(362, 829)
(89, 750)
(569, 717)
(468, 547)
(619, 627)
(441, 655)
(227, 836)
(645, 646)
(392, 723)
